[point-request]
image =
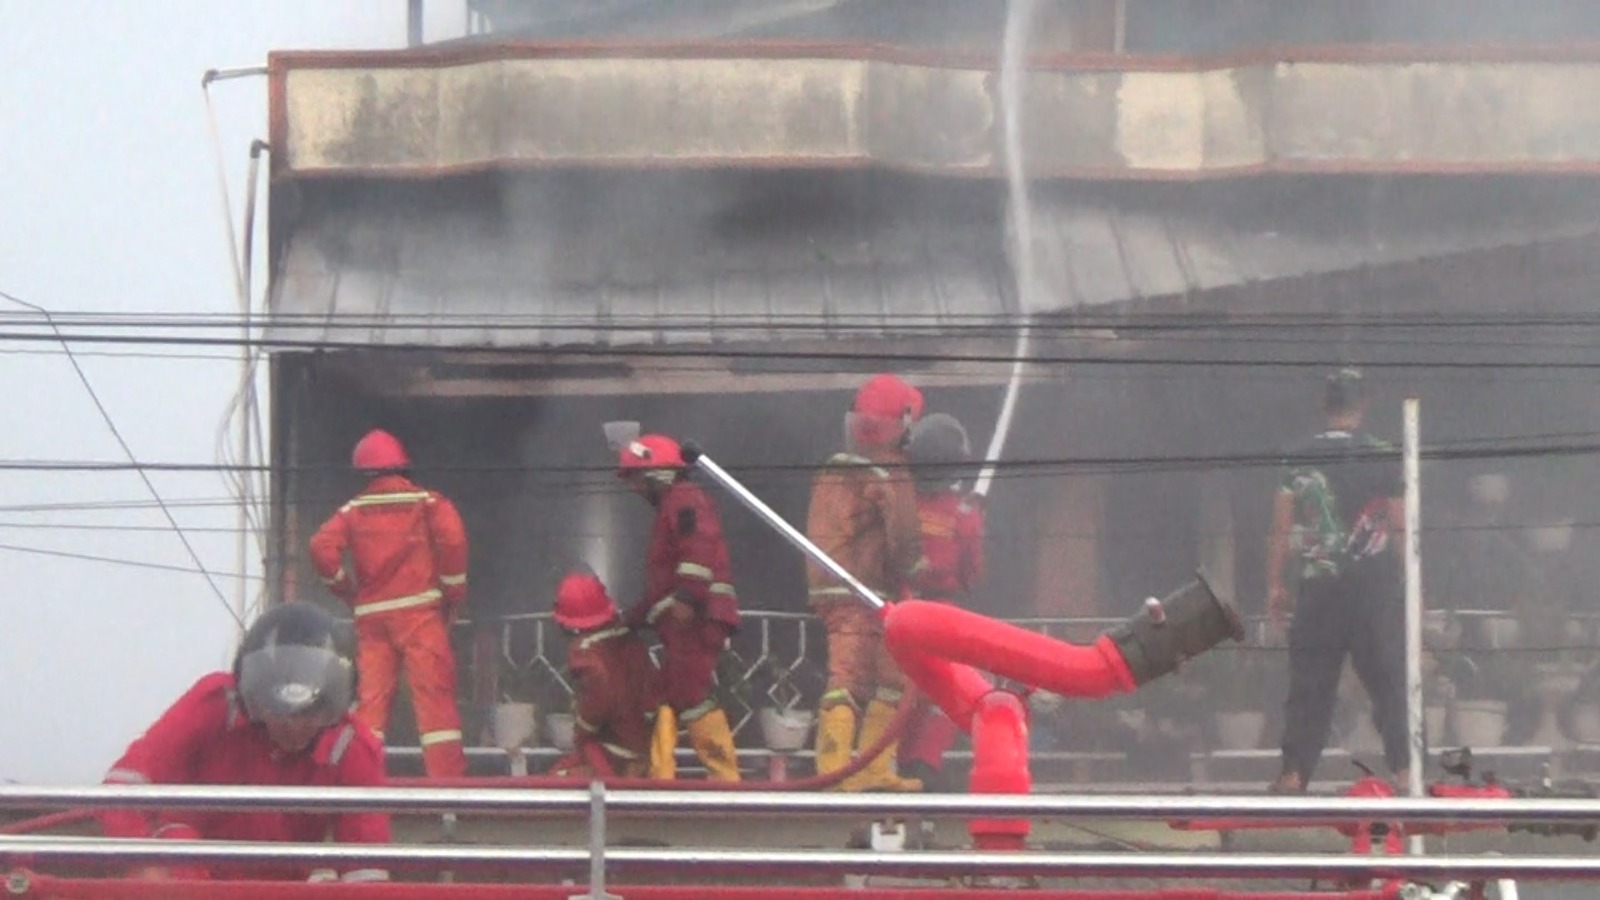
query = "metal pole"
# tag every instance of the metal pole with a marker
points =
(769, 863)
(695, 457)
(1414, 709)
(597, 845)
(513, 799)
(413, 23)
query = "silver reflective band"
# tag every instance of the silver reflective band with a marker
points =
(452, 580)
(695, 569)
(126, 776)
(423, 599)
(384, 499)
(430, 738)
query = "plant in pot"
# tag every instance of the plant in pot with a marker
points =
(513, 724)
(1583, 710)
(784, 719)
(1478, 709)
(1233, 677)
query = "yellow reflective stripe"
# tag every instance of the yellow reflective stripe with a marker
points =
(623, 752)
(888, 695)
(695, 570)
(696, 711)
(599, 636)
(659, 608)
(383, 499)
(429, 738)
(452, 580)
(578, 720)
(723, 588)
(422, 599)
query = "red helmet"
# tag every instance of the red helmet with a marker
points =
(884, 411)
(650, 451)
(582, 602)
(379, 451)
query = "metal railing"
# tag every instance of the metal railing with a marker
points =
(599, 805)
(779, 659)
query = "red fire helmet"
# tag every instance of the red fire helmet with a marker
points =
(582, 602)
(649, 451)
(379, 451)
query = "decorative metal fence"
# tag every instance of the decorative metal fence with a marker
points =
(1493, 681)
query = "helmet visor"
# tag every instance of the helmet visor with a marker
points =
(285, 681)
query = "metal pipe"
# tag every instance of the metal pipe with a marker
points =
(694, 456)
(228, 73)
(1413, 585)
(414, 16)
(575, 800)
(767, 863)
(48, 886)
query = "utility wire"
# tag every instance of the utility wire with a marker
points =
(111, 425)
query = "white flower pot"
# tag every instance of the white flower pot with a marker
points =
(558, 728)
(1480, 723)
(785, 730)
(1241, 729)
(1435, 718)
(513, 725)
(1586, 723)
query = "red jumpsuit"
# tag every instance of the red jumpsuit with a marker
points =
(688, 597)
(409, 551)
(205, 738)
(617, 691)
(949, 571)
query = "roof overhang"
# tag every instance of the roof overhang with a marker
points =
(464, 108)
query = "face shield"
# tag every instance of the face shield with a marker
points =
(292, 681)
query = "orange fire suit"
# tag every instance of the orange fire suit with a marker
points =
(949, 571)
(617, 690)
(688, 596)
(409, 553)
(863, 514)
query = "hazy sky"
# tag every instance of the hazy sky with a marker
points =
(111, 204)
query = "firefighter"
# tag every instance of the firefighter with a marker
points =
(863, 514)
(689, 600)
(408, 551)
(616, 684)
(281, 717)
(951, 520)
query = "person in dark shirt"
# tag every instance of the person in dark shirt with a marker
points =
(1339, 517)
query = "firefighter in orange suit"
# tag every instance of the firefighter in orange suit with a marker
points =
(863, 513)
(952, 563)
(689, 600)
(405, 581)
(616, 685)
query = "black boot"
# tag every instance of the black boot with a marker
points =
(1179, 627)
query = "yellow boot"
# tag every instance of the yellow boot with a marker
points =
(663, 743)
(880, 774)
(712, 741)
(836, 737)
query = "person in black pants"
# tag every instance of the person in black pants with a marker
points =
(1339, 517)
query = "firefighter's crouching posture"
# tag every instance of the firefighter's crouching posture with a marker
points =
(951, 565)
(281, 717)
(409, 553)
(615, 685)
(690, 602)
(863, 513)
